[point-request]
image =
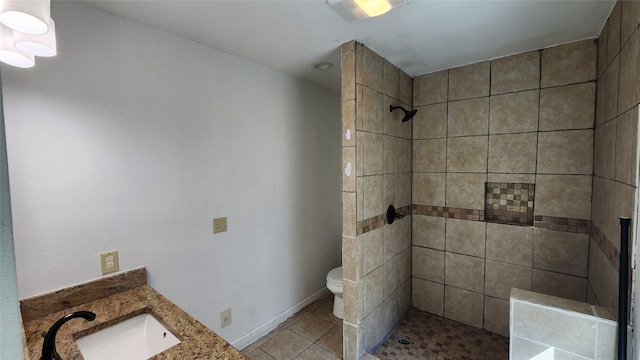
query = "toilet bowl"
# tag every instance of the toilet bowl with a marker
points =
(334, 284)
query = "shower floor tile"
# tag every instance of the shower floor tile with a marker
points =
(433, 337)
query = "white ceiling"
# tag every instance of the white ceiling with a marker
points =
(419, 37)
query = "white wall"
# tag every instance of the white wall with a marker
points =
(134, 139)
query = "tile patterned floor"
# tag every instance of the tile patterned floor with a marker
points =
(311, 334)
(433, 337)
(315, 334)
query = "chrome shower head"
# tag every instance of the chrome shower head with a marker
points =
(408, 115)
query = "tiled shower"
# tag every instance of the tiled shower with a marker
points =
(512, 174)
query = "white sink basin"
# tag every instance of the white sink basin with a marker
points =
(140, 337)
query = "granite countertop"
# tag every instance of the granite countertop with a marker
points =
(196, 340)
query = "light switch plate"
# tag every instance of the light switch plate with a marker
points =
(109, 262)
(219, 224)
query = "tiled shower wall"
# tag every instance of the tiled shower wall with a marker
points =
(527, 119)
(615, 156)
(376, 257)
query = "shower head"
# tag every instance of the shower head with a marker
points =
(408, 115)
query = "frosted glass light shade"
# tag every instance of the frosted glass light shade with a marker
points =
(27, 16)
(9, 54)
(38, 45)
(374, 7)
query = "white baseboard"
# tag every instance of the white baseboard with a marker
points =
(263, 330)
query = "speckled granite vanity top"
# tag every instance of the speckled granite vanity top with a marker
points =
(115, 299)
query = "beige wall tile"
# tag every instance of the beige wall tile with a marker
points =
(603, 278)
(466, 237)
(513, 153)
(462, 271)
(509, 243)
(613, 35)
(501, 277)
(602, 49)
(465, 190)
(564, 286)
(468, 117)
(430, 88)
(348, 123)
(514, 112)
(428, 264)
(628, 82)
(349, 168)
(430, 155)
(630, 19)
(390, 156)
(600, 95)
(429, 189)
(467, 154)
(561, 252)
(563, 196)
(611, 90)
(349, 258)
(372, 110)
(390, 235)
(565, 152)
(496, 315)
(405, 88)
(360, 198)
(390, 270)
(404, 266)
(405, 233)
(609, 133)
(371, 251)
(349, 214)
(404, 190)
(626, 145)
(359, 106)
(463, 306)
(390, 190)
(405, 149)
(515, 73)
(351, 350)
(567, 107)
(428, 231)
(372, 153)
(470, 81)
(569, 63)
(404, 297)
(428, 296)
(373, 193)
(371, 69)
(598, 145)
(390, 120)
(570, 332)
(390, 79)
(350, 301)
(373, 284)
(348, 75)
(512, 178)
(430, 122)
(405, 129)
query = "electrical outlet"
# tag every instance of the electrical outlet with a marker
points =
(225, 317)
(219, 224)
(109, 262)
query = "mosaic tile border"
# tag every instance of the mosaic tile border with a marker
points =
(448, 212)
(606, 246)
(379, 221)
(563, 224)
(509, 203)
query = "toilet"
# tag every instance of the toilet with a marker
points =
(334, 284)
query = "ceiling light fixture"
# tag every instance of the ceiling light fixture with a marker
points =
(26, 30)
(356, 10)
(324, 65)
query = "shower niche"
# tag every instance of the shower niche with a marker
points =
(509, 203)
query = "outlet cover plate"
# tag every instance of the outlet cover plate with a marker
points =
(225, 317)
(109, 262)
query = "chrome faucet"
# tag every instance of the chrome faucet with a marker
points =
(49, 346)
